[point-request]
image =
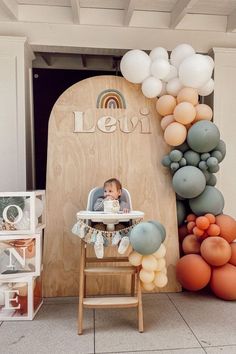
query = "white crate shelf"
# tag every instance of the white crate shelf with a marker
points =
(20, 255)
(20, 298)
(22, 212)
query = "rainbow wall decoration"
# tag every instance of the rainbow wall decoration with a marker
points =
(111, 98)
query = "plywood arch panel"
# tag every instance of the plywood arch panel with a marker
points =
(78, 161)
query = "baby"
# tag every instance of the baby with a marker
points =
(111, 191)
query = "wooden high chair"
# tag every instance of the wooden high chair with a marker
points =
(118, 267)
(133, 300)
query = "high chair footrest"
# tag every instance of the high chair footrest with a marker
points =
(110, 302)
(110, 270)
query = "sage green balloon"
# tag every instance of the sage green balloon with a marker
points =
(221, 147)
(182, 162)
(174, 166)
(145, 238)
(217, 154)
(183, 147)
(160, 227)
(203, 136)
(181, 212)
(166, 161)
(205, 156)
(192, 158)
(203, 165)
(210, 200)
(212, 180)
(212, 162)
(175, 155)
(189, 182)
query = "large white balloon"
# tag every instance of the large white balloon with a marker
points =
(210, 60)
(160, 68)
(207, 89)
(135, 66)
(181, 52)
(158, 53)
(174, 86)
(172, 74)
(151, 87)
(195, 71)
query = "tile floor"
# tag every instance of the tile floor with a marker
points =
(175, 323)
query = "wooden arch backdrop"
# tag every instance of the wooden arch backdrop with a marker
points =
(99, 128)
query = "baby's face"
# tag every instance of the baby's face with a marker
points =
(110, 190)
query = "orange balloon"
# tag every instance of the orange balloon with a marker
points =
(203, 111)
(211, 218)
(223, 282)
(193, 272)
(202, 222)
(227, 226)
(216, 251)
(166, 121)
(191, 244)
(233, 253)
(213, 230)
(191, 217)
(188, 94)
(184, 113)
(175, 134)
(165, 105)
(190, 226)
(197, 231)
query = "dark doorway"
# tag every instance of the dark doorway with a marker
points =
(48, 85)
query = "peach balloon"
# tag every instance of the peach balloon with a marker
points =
(184, 113)
(227, 226)
(193, 272)
(148, 286)
(188, 94)
(166, 121)
(223, 282)
(216, 251)
(233, 253)
(146, 276)
(165, 105)
(175, 134)
(191, 244)
(203, 111)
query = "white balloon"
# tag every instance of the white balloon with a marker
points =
(135, 66)
(210, 60)
(172, 74)
(207, 89)
(159, 52)
(181, 52)
(174, 86)
(163, 90)
(151, 87)
(160, 68)
(195, 71)
(24, 223)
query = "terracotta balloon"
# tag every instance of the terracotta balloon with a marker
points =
(175, 134)
(165, 105)
(227, 226)
(193, 272)
(211, 218)
(213, 230)
(184, 113)
(191, 244)
(166, 121)
(233, 253)
(216, 251)
(188, 94)
(203, 111)
(202, 222)
(183, 232)
(223, 282)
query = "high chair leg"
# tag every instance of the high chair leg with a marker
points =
(81, 288)
(140, 305)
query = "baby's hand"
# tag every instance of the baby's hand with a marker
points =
(125, 210)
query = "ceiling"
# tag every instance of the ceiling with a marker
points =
(218, 16)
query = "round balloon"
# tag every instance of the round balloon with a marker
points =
(166, 121)
(174, 86)
(189, 182)
(223, 282)
(203, 112)
(179, 53)
(203, 136)
(207, 89)
(135, 66)
(195, 71)
(165, 105)
(175, 134)
(210, 200)
(158, 52)
(188, 94)
(151, 87)
(160, 228)
(145, 238)
(160, 68)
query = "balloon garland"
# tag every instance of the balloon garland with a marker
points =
(206, 234)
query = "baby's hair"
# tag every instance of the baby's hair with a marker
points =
(113, 180)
